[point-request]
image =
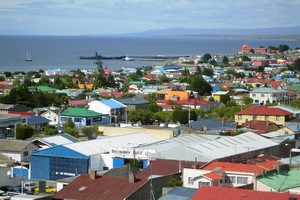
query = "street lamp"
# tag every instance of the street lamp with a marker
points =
(13, 130)
(133, 152)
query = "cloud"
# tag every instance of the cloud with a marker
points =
(121, 16)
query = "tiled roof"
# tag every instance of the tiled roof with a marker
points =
(214, 193)
(262, 110)
(212, 176)
(103, 187)
(80, 112)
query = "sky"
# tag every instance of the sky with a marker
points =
(93, 17)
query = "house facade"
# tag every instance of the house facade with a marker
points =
(261, 96)
(111, 107)
(275, 115)
(82, 117)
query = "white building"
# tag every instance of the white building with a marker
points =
(261, 96)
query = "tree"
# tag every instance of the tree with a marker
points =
(245, 58)
(206, 57)
(296, 64)
(198, 84)
(283, 47)
(252, 51)
(142, 115)
(207, 72)
(225, 60)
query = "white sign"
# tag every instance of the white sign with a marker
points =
(131, 152)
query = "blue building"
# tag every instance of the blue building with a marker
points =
(57, 162)
(83, 117)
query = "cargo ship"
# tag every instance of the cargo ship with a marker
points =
(100, 57)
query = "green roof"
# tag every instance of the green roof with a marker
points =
(282, 181)
(80, 112)
(43, 88)
(293, 87)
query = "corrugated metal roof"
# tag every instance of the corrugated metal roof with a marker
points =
(59, 139)
(179, 193)
(113, 103)
(80, 112)
(92, 147)
(268, 90)
(37, 120)
(60, 151)
(103, 187)
(13, 145)
(213, 193)
(133, 101)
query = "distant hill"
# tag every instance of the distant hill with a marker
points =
(188, 32)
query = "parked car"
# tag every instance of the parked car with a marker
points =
(6, 188)
(4, 195)
(49, 189)
(29, 186)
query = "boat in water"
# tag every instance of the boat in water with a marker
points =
(100, 57)
(128, 58)
(28, 57)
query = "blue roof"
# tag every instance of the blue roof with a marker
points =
(60, 151)
(172, 67)
(113, 103)
(216, 88)
(211, 124)
(37, 120)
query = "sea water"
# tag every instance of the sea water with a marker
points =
(53, 52)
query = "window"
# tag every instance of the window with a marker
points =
(230, 179)
(203, 183)
(266, 117)
(97, 119)
(262, 95)
(254, 95)
(254, 117)
(239, 116)
(242, 180)
(77, 119)
(277, 118)
(190, 180)
(25, 153)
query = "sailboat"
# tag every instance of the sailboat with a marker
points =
(28, 57)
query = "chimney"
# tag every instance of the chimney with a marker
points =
(93, 174)
(195, 166)
(131, 177)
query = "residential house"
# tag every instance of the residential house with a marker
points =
(134, 103)
(246, 49)
(210, 125)
(17, 150)
(260, 126)
(275, 115)
(224, 174)
(83, 117)
(185, 104)
(261, 96)
(79, 103)
(52, 116)
(283, 179)
(213, 193)
(146, 184)
(114, 109)
(8, 124)
(37, 122)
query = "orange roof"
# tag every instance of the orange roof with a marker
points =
(234, 167)
(212, 176)
(262, 110)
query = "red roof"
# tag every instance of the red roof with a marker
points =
(215, 193)
(274, 84)
(262, 110)
(261, 125)
(233, 167)
(212, 176)
(78, 102)
(116, 94)
(103, 187)
(165, 167)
